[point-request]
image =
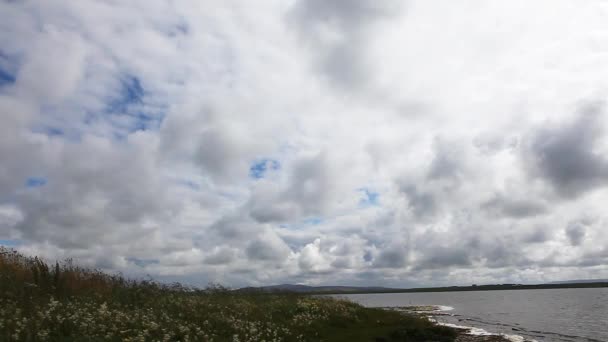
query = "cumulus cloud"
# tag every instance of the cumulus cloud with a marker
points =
(268, 246)
(510, 206)
(394, 256)
(575, 231)
(567, 155)
(338, 31)
(200, 142)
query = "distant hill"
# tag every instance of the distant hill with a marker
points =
(588, 283)
(580, 281)
(313, 289)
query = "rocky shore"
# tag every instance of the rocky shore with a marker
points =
(477, 338)
(465, 334)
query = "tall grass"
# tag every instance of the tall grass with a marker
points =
(65, 302)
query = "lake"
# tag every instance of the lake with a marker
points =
(543, 315)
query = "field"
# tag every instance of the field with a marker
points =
(64, 302)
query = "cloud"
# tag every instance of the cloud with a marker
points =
(311, 258)
(538, 235)
(268, 247)
(319, 142)
(221, 256)
(337, 32)
(56, 57)
(307, 191)
(394, 256)
(422, 204)
(445, 257)
(58, 212)
(504, 205)
(575, 231)
(448, 162)
(566, 155)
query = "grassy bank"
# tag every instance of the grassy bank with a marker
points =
(64, 302)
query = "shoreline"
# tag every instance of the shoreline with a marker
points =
(466, 333)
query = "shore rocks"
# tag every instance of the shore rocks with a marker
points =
(478, 338)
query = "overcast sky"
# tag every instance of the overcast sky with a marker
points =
(365, 142)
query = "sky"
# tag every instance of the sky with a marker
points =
(321, 142)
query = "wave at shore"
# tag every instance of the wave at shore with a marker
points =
(481, 332)
(477, 334)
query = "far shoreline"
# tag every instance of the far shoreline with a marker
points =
(465, 333)
(498, 287)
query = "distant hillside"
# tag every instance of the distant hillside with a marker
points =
(584, 283)
(595, 283)
(312, 289)
(580, 281)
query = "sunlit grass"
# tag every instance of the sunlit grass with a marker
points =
(64, 302)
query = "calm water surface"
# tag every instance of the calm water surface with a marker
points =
(544, 315)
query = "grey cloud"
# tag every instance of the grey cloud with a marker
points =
(467, 244)
(108, 262)
(66, 211)
(423, 204)
(444, 257)
(505, 206)
(10, 216)
(594, 258)
(538, 235)
(337, 32)
(566, 157)
(308, 192)
(442, 249)
(575, 231)
(220, 256)
(269, 248)
(209, 136)
(220, 155)
(310, 184)
(265, 205)
(342, 262)
(258, 242)
(26, 157)
(448, 162)
(273, 213)
(233, 227)
(394, 256)
(500, 253)
(443, 177)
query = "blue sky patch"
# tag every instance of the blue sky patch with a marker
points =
(370, 198)
(35, 182)
(368, 256)
(189, 184)
(180, 28)
(313, 221)
(48, 131)
(7, 76)
(132, 93)
(10, 243)
(259, 168)
(127, 123)
(128, 113)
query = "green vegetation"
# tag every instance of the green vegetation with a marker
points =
(63, 302)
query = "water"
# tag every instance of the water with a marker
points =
(575, 315)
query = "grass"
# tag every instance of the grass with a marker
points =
(64, 302)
